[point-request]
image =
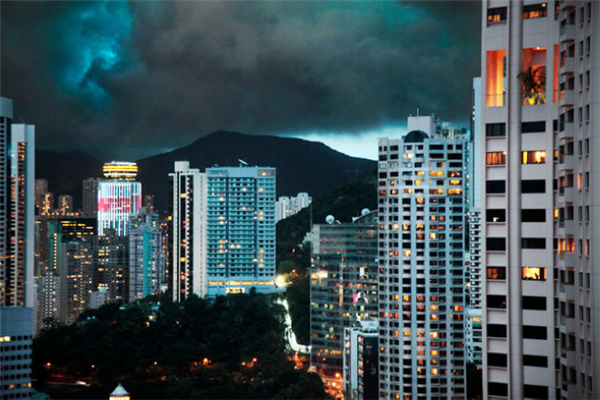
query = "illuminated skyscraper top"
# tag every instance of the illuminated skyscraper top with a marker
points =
(120, 170)
(119, 196)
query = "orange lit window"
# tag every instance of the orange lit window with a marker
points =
(534, 157)
(534, 274)
(420, 200)
(454, 191)
(495, 158)
(533, 76)
(495, 76)
(535, 11)
(556, 213)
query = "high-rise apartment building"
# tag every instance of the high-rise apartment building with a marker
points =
(534, 61)
(240, 226)
(112, 266)
(539, 109)
(90, 197)
(361, 359)
(343, 290)
(66, 285)
(17, 297)
(288, 206)
(146, 261)
(6, 109)
(119, 197)
(16, 340)
(223, 230)
(19, 289)
(422, 179)
(188, 233)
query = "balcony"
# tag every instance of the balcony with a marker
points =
(567, 66)
(566, 194)
(566, 259)
(566, 130)
(567, 32)
(566, 163)
(567, 4)
(566, 98)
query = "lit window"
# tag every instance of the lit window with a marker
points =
(534, 273)
(534, 157)
(535, 11)
(495, 158)
(496, 15)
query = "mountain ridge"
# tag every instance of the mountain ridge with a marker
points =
(299, 163)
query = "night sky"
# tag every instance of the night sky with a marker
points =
(131, 79)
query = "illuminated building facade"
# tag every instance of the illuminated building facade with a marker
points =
(422, 203)
(17, 298)
(539, 60)
(240, 230)
(67, 283)
(343, 290)
(146, 261)
(188, 232)
(119, 197)
(112, 266)
(41, 190)
(16, 340)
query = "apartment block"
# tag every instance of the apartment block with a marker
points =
(422, 299)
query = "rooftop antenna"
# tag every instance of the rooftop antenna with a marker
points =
(417, 111)
(242, 163)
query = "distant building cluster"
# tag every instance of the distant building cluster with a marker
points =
(288, 206)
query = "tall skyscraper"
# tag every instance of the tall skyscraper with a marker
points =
(536, 108)
(240, 227)
(90, 197)
(146, 261)
(422, 182)
(343, 290)
(112, 266)
(19, 289)
(188, 250)
(6, 109)
(67, 283)
(17, 298)
(41, 189)
(119, 197)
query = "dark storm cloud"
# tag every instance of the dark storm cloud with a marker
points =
(145, 76)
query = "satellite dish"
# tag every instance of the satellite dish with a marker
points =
(365, 211)
(330, 219)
